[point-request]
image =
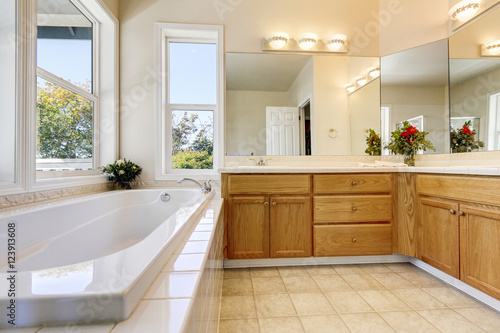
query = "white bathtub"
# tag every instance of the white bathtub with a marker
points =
(91, 259)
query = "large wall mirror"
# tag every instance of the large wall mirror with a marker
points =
(289, 104)
(414, 88)
(475, 86)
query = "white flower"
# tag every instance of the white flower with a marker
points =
(120, 162)
(121, 172)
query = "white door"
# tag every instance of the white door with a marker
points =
(282, 130)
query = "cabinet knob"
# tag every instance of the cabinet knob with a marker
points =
(354, 209)
(274, 204)
(354, 240)
(461, 213)
(354, 183)
(266, 203)
(452, 211)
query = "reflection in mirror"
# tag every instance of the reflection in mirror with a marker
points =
(7, 91)
(414, 87)
(288, 104)
(475, 87)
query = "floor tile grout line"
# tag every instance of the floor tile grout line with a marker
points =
(470, 321)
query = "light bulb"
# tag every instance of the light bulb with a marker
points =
(307, 40)
(335, 42)
(350, 87)
(361, 80)
(464, 10)
(493, 47)
(277, 40)
(374, 71)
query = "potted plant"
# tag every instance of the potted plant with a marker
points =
(408, 141)
(122, 172)
(373, 143)
(463, 140)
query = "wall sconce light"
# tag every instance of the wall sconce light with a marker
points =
(361, 80)
(491, 49)
(307, 40)
(374, 71)
(464, 10)
(335, 42)
(277, 40)
(350, 88)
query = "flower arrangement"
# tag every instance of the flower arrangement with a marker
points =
(463, 139)
(373, 143)
(122, 172)
(408, 141)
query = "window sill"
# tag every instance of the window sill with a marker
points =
(43, 184)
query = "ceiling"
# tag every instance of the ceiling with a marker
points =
(426, 65)
(262, 72)
(464, 69)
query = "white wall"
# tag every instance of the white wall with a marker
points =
(246, 119)
(364, 110)
(7, 91)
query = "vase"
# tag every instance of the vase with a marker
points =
(125, 186)
(410, 159)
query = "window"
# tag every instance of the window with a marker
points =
(67, 104)
(189, 120)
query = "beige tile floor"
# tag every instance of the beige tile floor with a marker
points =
(347, 298)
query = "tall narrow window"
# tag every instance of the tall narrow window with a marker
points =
(66, 98)
(190, 98)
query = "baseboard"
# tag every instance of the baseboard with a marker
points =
(242, 263)
(471, 291)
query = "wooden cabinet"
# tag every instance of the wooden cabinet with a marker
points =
(249, 228)
(275, 225)
(439, 233)
(352, 214)
(480, 248)
(290, 227)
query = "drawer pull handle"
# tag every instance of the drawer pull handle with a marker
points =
(354, 183)
(461, 213)
(354, 209)
(452, 212)
(354, 240)
(266, 203)
(274, 204)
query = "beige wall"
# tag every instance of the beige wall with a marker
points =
(364, 111)
(112, 5)
(246, 119)
(409, 23)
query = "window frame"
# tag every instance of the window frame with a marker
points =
(186, 33)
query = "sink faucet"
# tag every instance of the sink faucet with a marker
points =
(206, 187)
(260, 162)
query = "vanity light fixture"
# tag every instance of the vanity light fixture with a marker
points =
(374, 71)
(491, 49)
(335, 42)
(277, 40)
(361, 80)
(350, 88)
(307, 40)
(464, 10)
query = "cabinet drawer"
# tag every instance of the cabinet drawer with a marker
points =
(352, 240)
(269, 184)
(352, 183)
(367, 208)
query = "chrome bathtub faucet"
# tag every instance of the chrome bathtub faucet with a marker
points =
(206, 187)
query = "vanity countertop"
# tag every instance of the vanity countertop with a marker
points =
(458, 170)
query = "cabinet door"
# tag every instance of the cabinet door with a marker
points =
(439, 232)
(291, 227)
(480, 248)
(248, 227)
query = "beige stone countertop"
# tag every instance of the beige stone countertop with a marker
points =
(456, 170)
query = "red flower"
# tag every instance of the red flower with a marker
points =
(371, 140)
(466, 130)
(409, 131)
